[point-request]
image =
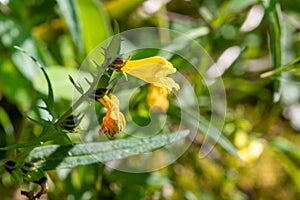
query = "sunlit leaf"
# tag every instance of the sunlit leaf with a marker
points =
(290, 168)
(59, 77)
(287, 147)
(94, 23)
(204, 127)
(121, 8)
(69, 10)
(56, 156)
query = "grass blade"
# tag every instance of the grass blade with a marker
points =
(275, 43)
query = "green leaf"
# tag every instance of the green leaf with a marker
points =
(287, 67)
(17, 176)
(49, 133)
(238, 6)
(286, 147)
(18, 91)
(34, 174)
(183, 41)
(23, 39)
(204, 127)
(290, 167)
(59, 77)
(229, 8)
(69, 10)
(94, 23)
(216, 135)
(57, 157)
(111, 53)
(50, 99)
(284, 150)
(77, 86)
(275, 42)
(121, 8)
(113, 49)
(7, 125)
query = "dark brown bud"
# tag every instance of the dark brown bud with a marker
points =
(117, 64)
(10, 163)
(42, 181)
(27, 164)
(71, 123)
(99, 93)
(24, 171)
(10, 166)
(26, 167)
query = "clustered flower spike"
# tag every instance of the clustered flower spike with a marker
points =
(153, 70)
(114, 121)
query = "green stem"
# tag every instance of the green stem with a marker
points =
(102, 83)
(104, 80)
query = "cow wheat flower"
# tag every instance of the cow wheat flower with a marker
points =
(153, 70)
(114, 121)
(157, 101)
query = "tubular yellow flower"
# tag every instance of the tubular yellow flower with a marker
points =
(114, 121)
(152, 70)
(157, 101)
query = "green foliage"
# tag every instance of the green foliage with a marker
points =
(59, 157)
(275, 45)
(42, 46)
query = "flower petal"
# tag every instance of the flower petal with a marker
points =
(157, 101)
(114, 121)
(153, 70)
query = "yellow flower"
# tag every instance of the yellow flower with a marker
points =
(248, 149)
(252, 152)
(114, 121)
(157, 101)
(152, 70)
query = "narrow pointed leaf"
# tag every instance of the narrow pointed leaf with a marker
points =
(77, 86)
(287, 67)
(113, 49)
(69, 10)
(57, 157)
(205, 127)
(275, 43)
(50, 99)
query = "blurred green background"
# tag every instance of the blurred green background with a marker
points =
(246, 38)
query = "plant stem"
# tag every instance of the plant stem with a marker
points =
(102, 83)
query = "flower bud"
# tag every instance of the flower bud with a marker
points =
(71, 123)
(117, 64)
